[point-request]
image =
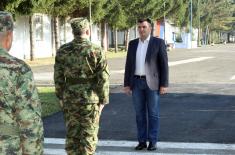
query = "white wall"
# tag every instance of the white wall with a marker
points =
(169, 33)
(43, 45)
(96, 34)
(21, 45)
(43, 48)
(21, 41)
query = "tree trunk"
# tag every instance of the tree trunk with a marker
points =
(116, 41)
(56, 32)
(228, 37)
(136, 31)
(52, 37)
(199, 37)
(104, 36)
(112, 38)
(127, 36)
(219, 37)
(209, 36)
(32, 38)
(64, 29)
(107, 33)
(206, 35)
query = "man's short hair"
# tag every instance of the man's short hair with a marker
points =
(6, 21)
(141, 20)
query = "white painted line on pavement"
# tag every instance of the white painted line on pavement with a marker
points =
(54, 141)
(117, 71)
(179, 145)
(44, 76)
(144, 153)
(174, 63)
(63, 152)
(49, 75)
(233, 77)
(54, 152)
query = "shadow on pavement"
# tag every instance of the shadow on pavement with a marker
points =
(185, 117)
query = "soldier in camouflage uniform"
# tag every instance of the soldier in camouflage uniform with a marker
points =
(82, 86)
(21, 130)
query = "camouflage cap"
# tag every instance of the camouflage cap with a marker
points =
(6, 21)
(79, 24)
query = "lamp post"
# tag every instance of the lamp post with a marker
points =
(199, 26)
(191, 22)
(90, 18)
(164, 16)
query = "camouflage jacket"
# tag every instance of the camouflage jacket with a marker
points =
(20, 109)
(81, 73)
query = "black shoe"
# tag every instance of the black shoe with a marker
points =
(152, 146)
(141, 146)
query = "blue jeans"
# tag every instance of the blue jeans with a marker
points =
(146, 103)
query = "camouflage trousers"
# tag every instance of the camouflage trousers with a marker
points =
(12, 142)
(82, 123)
(10, 145)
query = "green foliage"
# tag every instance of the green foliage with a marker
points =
(143, 9)
(122, 14)
(54, 7)
(217, 14)
(20, 7)
(177, 12)
(50, 103)
(98, 12)
(82, 9)
(116, 14)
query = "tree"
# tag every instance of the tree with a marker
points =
(208, 15)
(217, 17)
(97, 15)
(116, 19)
(21, 7)
(123, 14)
(58, 9)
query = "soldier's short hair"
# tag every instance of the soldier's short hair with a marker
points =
(6, 21)
(79, 25)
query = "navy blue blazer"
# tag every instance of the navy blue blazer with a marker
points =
(156, 64)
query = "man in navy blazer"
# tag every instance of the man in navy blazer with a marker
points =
(146, 78)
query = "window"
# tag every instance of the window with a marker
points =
(178, 38)
(38, 25)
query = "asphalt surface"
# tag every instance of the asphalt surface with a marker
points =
(185, 117)
(199, 107)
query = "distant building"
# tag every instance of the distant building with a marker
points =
(175, 36)
(43, 34)
(44, 39)
(172, 35)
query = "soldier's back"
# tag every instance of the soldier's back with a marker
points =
(10, 69)
(79, 59)
(20, 108)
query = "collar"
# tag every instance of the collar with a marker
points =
(80, 39)
(2, 50)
